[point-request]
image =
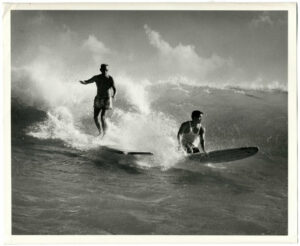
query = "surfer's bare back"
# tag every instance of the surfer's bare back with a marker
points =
(103, 99)
(190, 132)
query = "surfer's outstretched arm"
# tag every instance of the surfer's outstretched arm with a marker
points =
(91, 80)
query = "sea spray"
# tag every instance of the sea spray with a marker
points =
(147, 114)
(36, 85)
(152, 132)
(135, 93)
(60, 125)
(138, 127)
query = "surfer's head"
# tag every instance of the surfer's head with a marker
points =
(197, 115)
(103, 68)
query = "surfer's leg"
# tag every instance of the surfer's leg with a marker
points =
(96, 113)
(103, 121)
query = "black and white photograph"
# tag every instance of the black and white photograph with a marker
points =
(151, 121)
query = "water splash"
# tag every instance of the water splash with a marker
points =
(60, 125)
(152, 132)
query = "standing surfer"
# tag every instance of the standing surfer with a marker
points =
(103, 99)
(190, 132)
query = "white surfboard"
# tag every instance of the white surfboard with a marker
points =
(226, 155)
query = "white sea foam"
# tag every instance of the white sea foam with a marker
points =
(138, 127)
(256, 85)
(152, 132)
(60, 125)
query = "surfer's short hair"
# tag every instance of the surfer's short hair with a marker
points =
(103, 67)
(196, 114)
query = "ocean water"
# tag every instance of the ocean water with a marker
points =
(64, 183)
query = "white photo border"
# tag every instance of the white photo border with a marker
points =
(290, 7)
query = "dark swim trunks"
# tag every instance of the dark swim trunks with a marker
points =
(190, 149)
(103, 103)
(193, 150)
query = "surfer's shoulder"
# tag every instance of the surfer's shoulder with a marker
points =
(97, 77)
(111, 79)
(185, 124)
(103, 77)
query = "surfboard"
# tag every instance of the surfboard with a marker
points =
(122, 151)
(226, 155)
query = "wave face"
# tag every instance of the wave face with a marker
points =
(146, 116)
(62, 184)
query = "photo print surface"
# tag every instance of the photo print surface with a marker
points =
(104, 140)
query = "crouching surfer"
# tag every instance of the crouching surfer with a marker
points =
(191, 134)
(102, 101)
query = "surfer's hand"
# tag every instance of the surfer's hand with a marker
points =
(82, 82)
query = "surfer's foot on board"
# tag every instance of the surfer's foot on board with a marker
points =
(99, 132)
(103, 134)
